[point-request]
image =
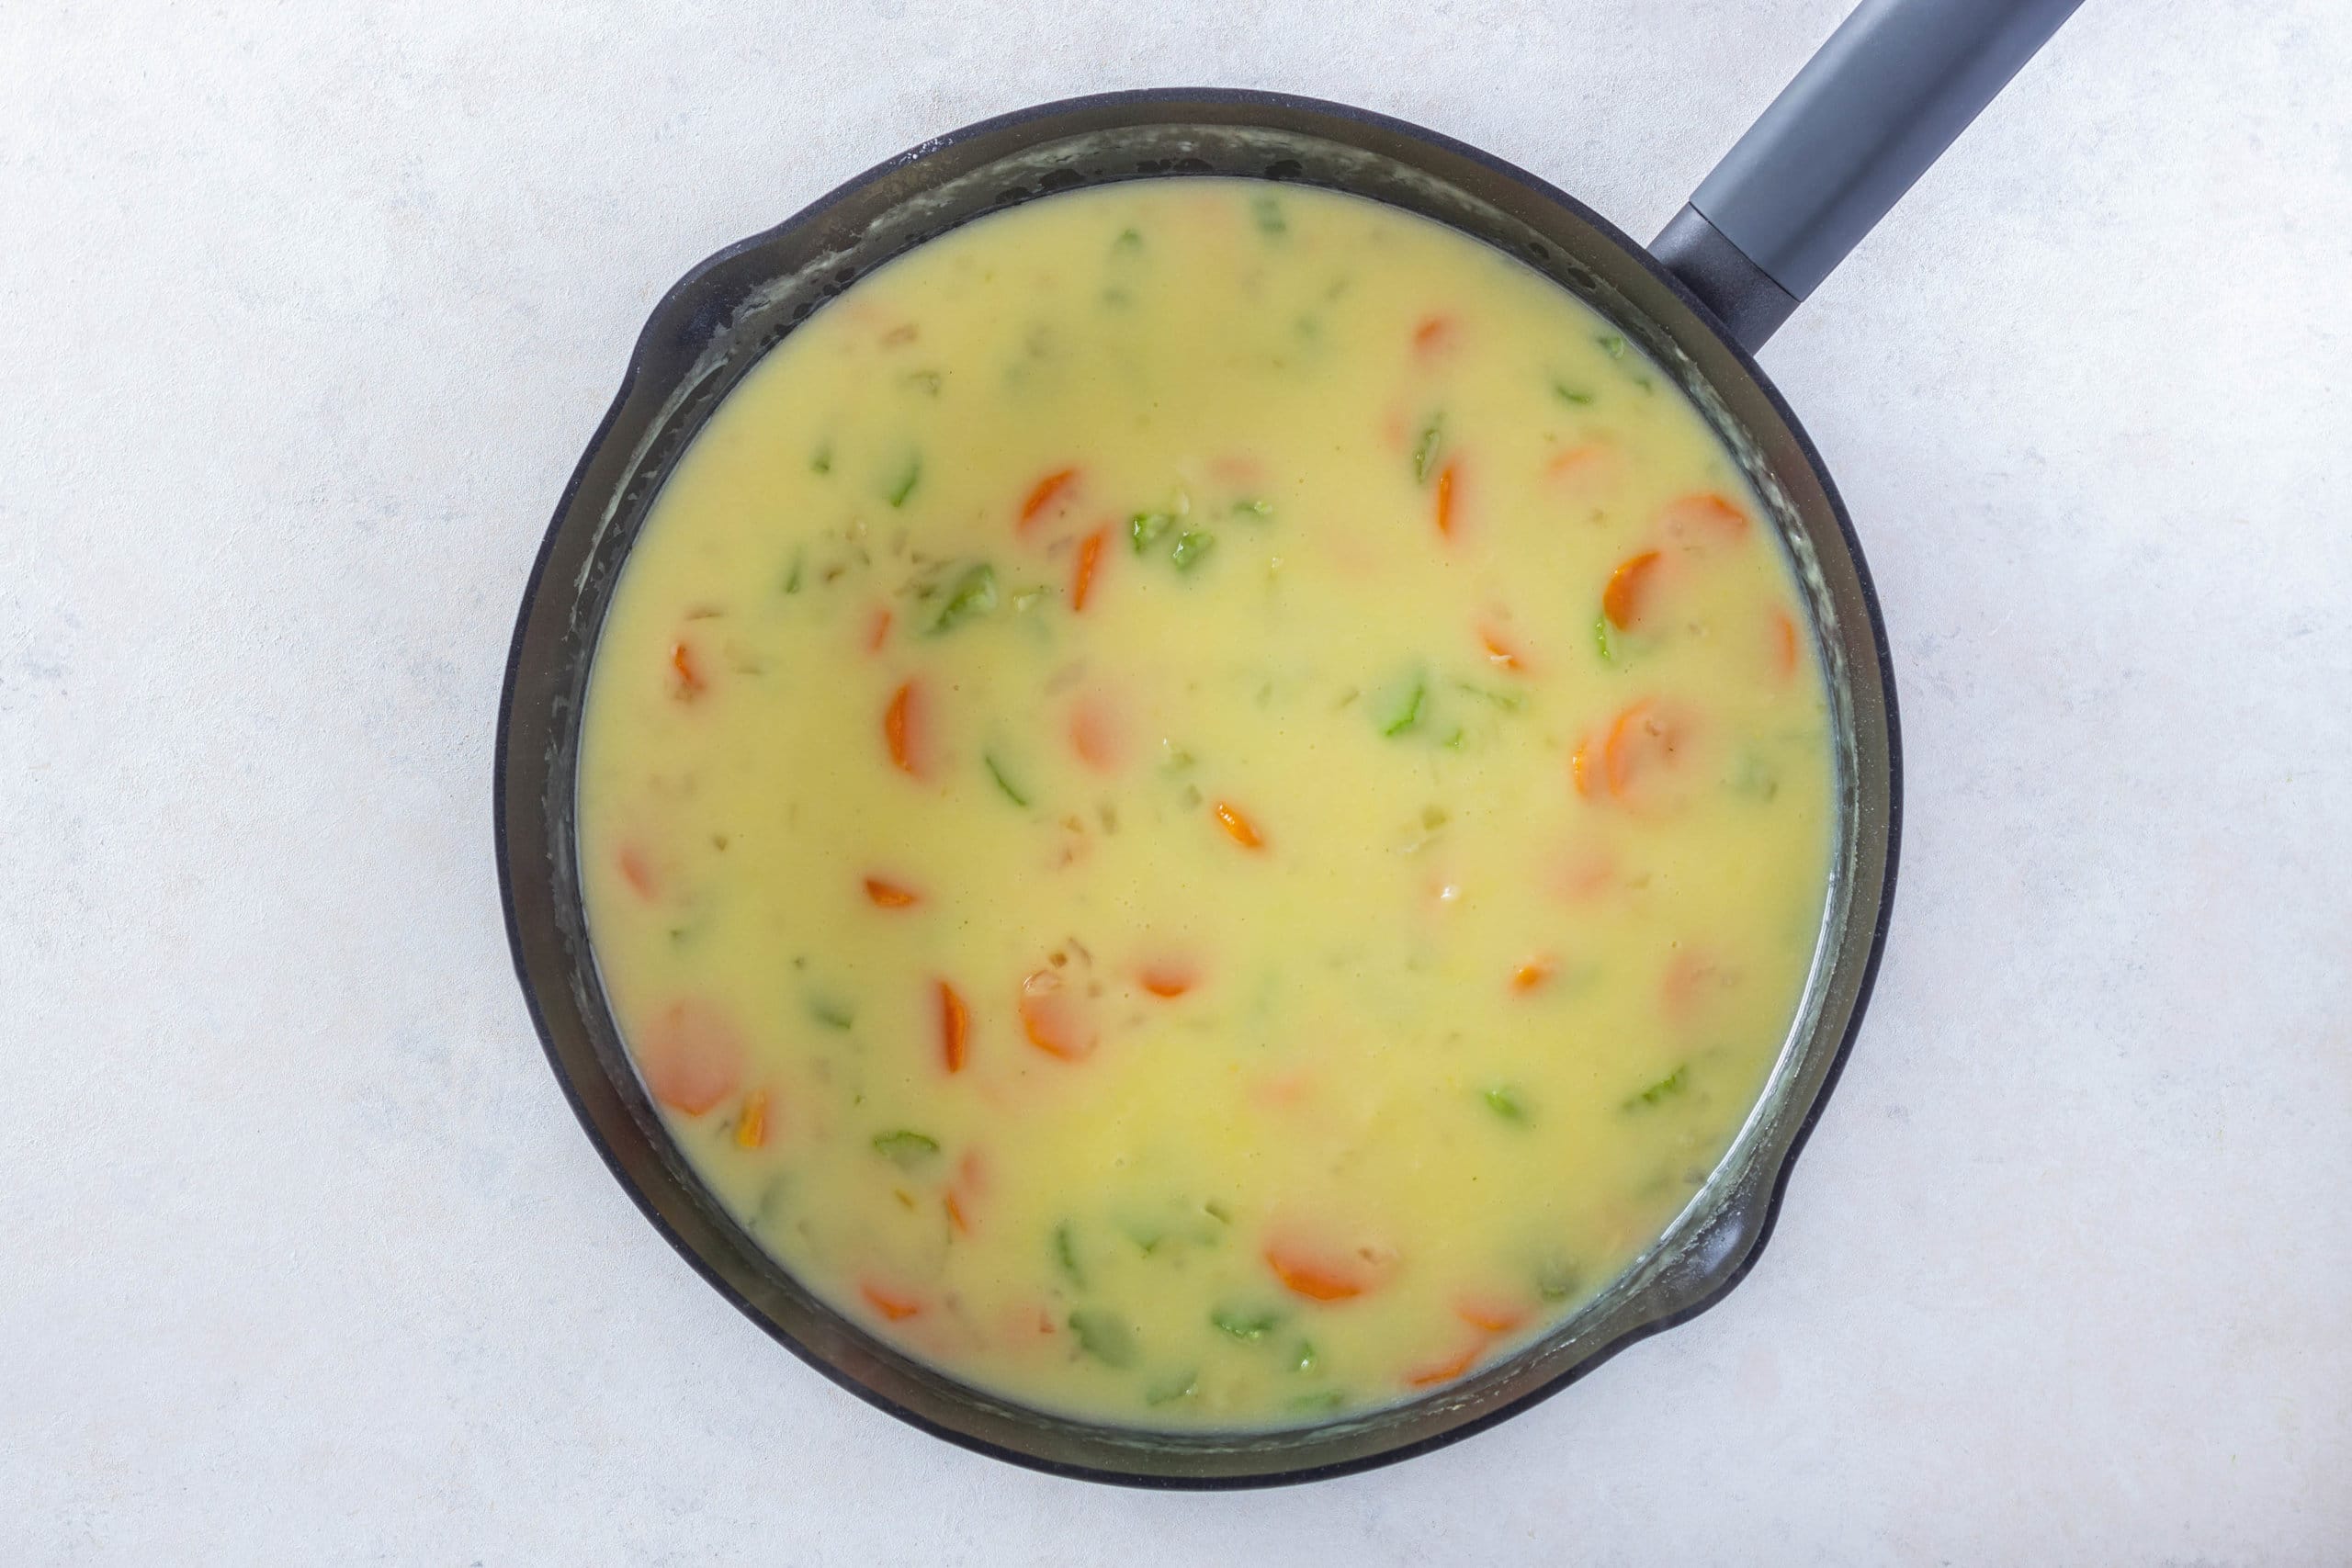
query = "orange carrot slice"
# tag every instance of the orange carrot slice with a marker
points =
(1238, 828)
(1054, 1020)
(1647, 739)
(1486, 1312)
(691, 1057)
(1533, 973)
(894, 1305)
(877, 629)
(1500, 654)
(752, 1126)
(1628, 592)
(688, 665)
(955, 1214)
(1169, 978)
(1431, 1374)
(1580, 766)
(1320, 1276)
(1445, 481)
(1433, 336)
(1095, 734)
(1703, 520)
(902, 730)
(955, 1027)
(889, 895)
(1785, 645)
(637, 872)
(1043, 493)
(1090, 552)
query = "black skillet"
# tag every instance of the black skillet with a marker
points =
(1883, 98)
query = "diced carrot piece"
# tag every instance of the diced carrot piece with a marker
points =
(1095, 734)
(1237, 827)
(1434, 336)
(1045, 493)
(1169, 978)
(955, 1027)
(1584, 873)
(1500, 653)
(1690, 977)
(1089, 553)
(1054, 1020)
(889, 895)
(1430, 1374)
(1580, 766)
(1785, 645)
(752, 1126)
(637, 872)
(1581, 466)
(1531, 974)
(902, 730)
(1321, 1276)
(1647, 739)
(955, 1214)
(895, 1306)
(1486, 1312)
(688, 665)
(1703, 519)
(877, 629)
(1628, 592)
(691, 1057)
(1445, 482)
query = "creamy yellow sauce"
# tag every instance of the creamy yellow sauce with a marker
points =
(1205, 803)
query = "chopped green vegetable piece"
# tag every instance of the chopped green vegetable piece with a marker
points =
(1674, 1083)
(823, 462)
(924, 381)
(1246, 1327)
(1321, 1402)
(1269, 214)
(1406, 714)
(1218, 1211)
(1509, 702)
(1569, 394)
(792, 578)
(904, 485)
(1602, 640)
(830, 1013)
(905, 1149)
(1105, 1336)
(1172, 1388)
(1303, 1360)
(1259, 510)
(1145, 527)
(1453, 742)
(1612, 345)
(1191, 545)
(1128, 240)
(996, 771)
(1504, 1101)
(974, 595)
(1066, 1254)
(1556, 1279)
(1754, 778)
(1425, 449)
(1028, 599)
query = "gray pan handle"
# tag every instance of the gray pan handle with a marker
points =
(1896, 82)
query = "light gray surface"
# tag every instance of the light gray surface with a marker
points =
(302, 1258)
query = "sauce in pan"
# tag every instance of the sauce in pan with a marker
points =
(1205, 803)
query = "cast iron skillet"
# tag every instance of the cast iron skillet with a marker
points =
(1884, 97)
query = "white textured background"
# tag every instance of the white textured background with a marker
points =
(306, 312)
